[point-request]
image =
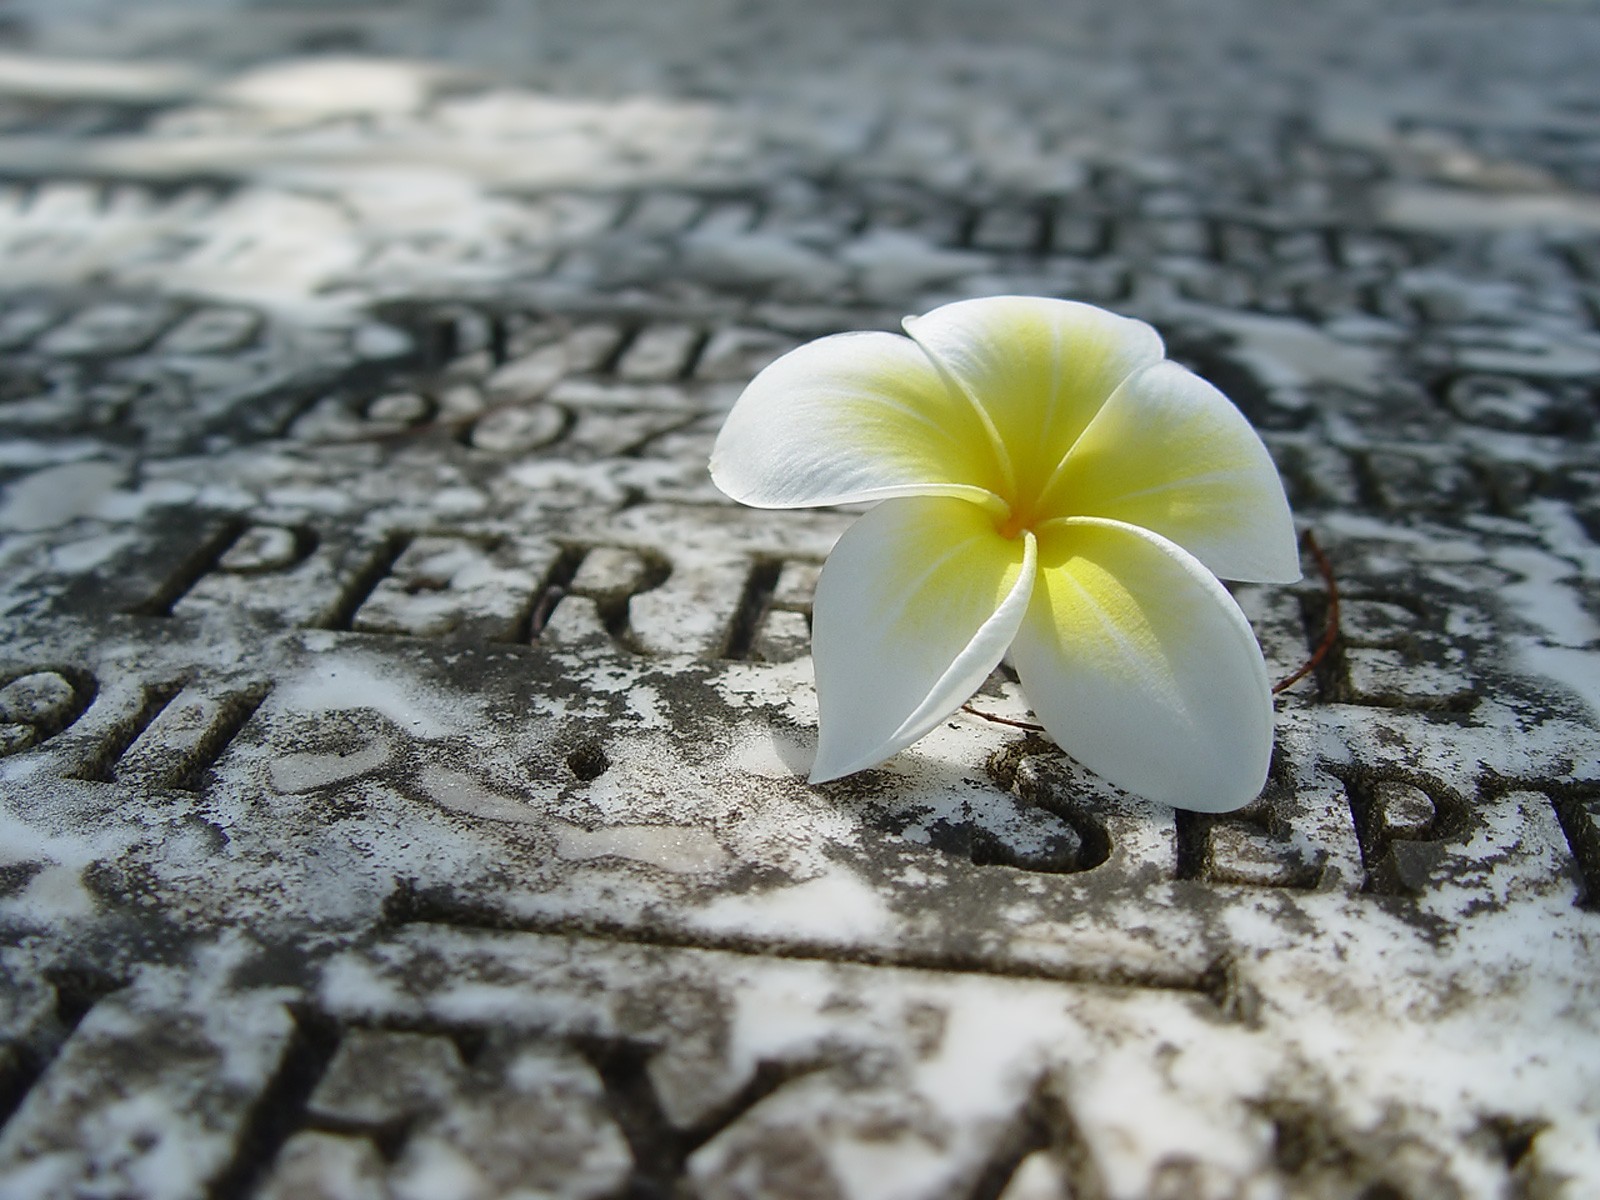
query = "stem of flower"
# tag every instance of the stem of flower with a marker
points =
(1331, 633)
(1002, 720)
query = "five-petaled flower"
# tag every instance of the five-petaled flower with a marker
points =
(1049, 484)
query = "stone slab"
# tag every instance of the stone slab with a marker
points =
(402, 743)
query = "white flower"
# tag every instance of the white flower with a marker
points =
(1049, 484)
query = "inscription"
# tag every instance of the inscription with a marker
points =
(519, 429)
(514, 383)
(1250, 849)
(294, 575)
(1578, 809)
(1406, 825)
(581, 1115)
(150, 735)
(1379, 830)
(186, 736)
(76, 1132)
(365, 416)
(456, 587)
(465, 586)
(37, 705)
(588, 605)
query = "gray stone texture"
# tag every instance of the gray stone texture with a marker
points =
(402, 743)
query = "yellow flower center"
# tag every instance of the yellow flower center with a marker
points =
(1020, 514)
(1013, 524)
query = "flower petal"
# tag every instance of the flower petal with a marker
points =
(915, 606)
(1171, 453)
(1143, 668)
(1039, 369)
(852, 417)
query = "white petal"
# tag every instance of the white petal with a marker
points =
(1170, 453)
(1039, 368)
(915, 607)
(1143, 668)
(856, 416)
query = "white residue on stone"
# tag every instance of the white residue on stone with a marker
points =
(681, 849)
(304, 771)
(838, 906)
(771, 754)
(1576, 670)
(323, 87)
(1283, 352)
(87, 554)
(1451, 210)
(762, 258)
(644, 702)
(56, 495)
(1545, 596)
(344, 680)
(466, 794)
(892, 263)
(310, 499)
(1560, 530)
(25, 452)
(56, 893)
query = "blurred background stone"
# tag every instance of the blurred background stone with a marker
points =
(402, 743)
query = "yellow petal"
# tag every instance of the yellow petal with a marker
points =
(1039, 369)
(1170, 453)
(1143, 668)
(853, 417)
(915, 607)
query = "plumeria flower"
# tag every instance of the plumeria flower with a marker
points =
(1051, 485)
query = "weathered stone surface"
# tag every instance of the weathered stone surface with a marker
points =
(402, 742)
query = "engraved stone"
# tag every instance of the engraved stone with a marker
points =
(659, 352)
(1037, 1177)
(325, 1166)
(263, 548)
(576, 622)
(1375, 622)
(737, 354)
(45, 700)
(107, 329)
(589, 345)
(454, 586)
(783, 636)
(377, 649)
(531, 375)
(611, 573)
(1181, 236)
(384, 1080)
(1006, 229)
(19, 325)
(1505, 403)
(538, 1124)
(796, 585)
(1077, 233)
(1405, 810)
(727, 217)
(664, 213)
(186, 737)
(146, 1098)
(516, 430)
(693, 610)
(398, 408)
(211, 331)
(1239, 852)
(1275, 615)
(1392, 677)
(285, 575)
